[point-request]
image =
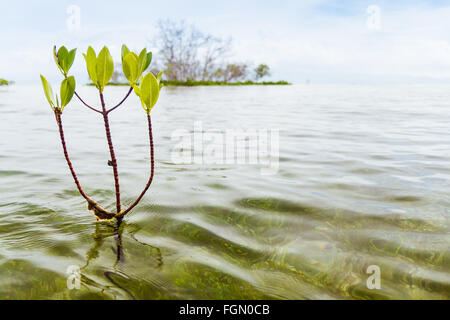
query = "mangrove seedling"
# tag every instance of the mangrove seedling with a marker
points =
(100, 69)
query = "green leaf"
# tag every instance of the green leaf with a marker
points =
(104, 68)
(149, 60)
(142, 61)
(70, 59)
(55, 56)
(137, 90)
(125, 52)
(130, 67)
(62, 57)
(160, 76)
(149, 92)
(48, 92)
(67, 90)
(159, 79)
(91, 62)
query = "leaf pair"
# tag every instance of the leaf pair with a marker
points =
(148, 91)
(64, 59)
(133, 65)
(101, 68)
(66, 92)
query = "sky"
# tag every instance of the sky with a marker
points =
(317, 41)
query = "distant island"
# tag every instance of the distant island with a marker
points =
(4, 82)
(193, 83)
(198, 83)
(192, 58)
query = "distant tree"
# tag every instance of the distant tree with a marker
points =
(234, 72)
(212, 55)
(187, 53)
(219, 74)
(231, 72)
(262, 71)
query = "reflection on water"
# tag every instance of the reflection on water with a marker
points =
(363, 180)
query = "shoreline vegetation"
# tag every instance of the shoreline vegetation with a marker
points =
(188, 57)
(4, 82)
(199, 83)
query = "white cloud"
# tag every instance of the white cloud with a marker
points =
(297, 41)
(411, 43)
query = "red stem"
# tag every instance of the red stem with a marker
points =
(66, 154)
(113, 155)
(82, 101)
(121, 102)
(152, 156)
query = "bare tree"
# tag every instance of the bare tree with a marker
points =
(215, 51)
(186, 53)
(232, 72)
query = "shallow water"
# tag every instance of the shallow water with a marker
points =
(363, 180)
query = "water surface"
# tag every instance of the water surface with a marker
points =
(363, 180)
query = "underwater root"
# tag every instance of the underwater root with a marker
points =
(101, 213)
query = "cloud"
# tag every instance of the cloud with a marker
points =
(321, 40)
(410, 43)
